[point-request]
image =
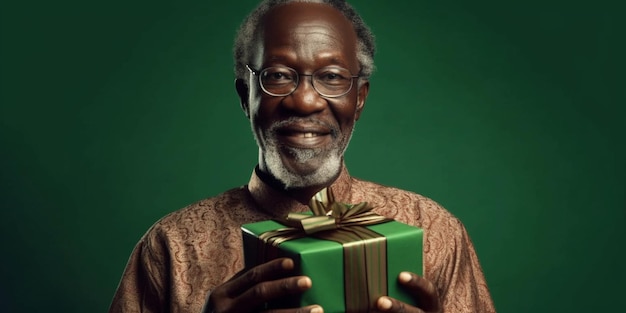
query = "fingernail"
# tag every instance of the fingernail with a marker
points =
(317, 310)
(405, 277)
(287, 264)
(304, 282)
(384, 303)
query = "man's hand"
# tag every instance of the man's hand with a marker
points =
(423, 291)
(249, 291)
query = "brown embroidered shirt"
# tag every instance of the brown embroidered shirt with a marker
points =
(192, 250)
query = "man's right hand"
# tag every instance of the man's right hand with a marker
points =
(249, 291)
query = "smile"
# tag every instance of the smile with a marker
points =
(301, 137)
(309, 135)
(304, 140)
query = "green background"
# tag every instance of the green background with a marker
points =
(114, 113)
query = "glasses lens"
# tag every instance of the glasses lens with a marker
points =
(279, 81)
(332, 81)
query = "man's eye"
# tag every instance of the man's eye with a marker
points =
(277, 76)
(331, 78)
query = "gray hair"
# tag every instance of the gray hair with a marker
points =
(249, 28)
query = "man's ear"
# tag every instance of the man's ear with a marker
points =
(244, 92)
(364, 89)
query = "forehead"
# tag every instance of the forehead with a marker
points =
(307, 32)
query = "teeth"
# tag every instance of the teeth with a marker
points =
(308, 135)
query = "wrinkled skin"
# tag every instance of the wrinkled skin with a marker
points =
(305, 37)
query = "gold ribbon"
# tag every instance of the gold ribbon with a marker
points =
(327, 215)
(365, 251)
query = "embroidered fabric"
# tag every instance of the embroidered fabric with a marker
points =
(190, 251)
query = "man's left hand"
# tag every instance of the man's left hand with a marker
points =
(424, 292)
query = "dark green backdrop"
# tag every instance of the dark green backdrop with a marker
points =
(511, 115)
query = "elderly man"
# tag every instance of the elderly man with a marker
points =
(302, 72)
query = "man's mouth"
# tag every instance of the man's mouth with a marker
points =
(301, 134)
(304, 136)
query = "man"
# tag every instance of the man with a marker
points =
(302, 72)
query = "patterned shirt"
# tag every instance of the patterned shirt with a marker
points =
(191, 251)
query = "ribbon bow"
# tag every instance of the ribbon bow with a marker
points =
(329, 215)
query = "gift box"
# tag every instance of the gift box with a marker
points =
(350, 265)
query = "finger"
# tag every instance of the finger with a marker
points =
(423, 291)
(267, 291)
(271, 270)
(387, 304)
(307, 309)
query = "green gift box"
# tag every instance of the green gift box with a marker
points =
(350, 267)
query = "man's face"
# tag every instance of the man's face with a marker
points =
(302, 136)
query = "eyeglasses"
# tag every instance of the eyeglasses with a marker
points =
(329, 82)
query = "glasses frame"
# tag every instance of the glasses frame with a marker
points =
(257, 73)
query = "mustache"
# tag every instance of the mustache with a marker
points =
(334, 129)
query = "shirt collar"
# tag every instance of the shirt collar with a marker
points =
(278, 203)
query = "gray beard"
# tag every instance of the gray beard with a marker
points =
(329, 168)
(322, 175)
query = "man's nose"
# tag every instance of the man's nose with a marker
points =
(305, 100)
